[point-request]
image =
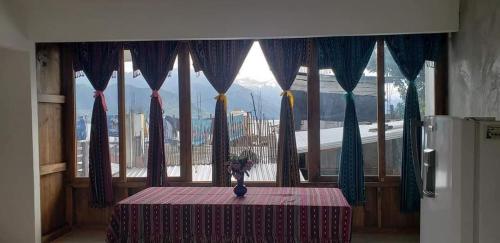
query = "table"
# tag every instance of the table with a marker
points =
(214, 214)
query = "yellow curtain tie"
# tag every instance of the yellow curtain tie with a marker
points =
(290, 96)
(223, 98)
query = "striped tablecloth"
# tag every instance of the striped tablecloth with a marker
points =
(214, 214)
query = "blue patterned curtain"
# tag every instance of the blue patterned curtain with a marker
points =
(98, 61)
(154, 60)
(285, 57)
(220, 61)
(409, 53)
(348, 57)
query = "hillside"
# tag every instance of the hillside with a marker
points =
(137, 95)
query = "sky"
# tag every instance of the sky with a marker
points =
(254, 68)
(256, 72)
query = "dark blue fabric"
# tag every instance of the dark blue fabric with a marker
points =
(220, 61)
(98, 61)
(410, 53)
(284, 57)
(348, 57)
(154, 60)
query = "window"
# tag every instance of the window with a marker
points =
(202, 114)
(332, 111)
(396, 86)
(84, 101)
(137, 102)
(299, 90)
(254, 104)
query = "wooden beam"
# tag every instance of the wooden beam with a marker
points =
(69, 204)
(121, 119)
(54, 99)
(52, 168)
(313, 112)
(69, 133)
(69, 109)
(185, 112)
(380, 124)
(380, 108)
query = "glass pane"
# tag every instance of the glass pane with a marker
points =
(396, 87)
(332, 112)
(299, 89)
(137, 102)
(84, 96)
(202, 113)
(254, 104)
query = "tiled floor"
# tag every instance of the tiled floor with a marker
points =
(94, 236)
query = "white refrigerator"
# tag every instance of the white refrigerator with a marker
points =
(461, 180)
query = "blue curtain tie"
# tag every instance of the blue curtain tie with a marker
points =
(349, 94)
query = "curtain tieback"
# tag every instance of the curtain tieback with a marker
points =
(223, 98)
(290, 96)
(99, 93)
(349, 94)
(156, 94)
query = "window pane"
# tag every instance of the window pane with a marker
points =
(254, 104)
(332, 112)
(137, 102)
(396, 87)
(299, 89)
(202, 113)
(84, 96)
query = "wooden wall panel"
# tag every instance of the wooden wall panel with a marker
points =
(84, 215)
(50, 133)
(391, 215)
(367, 215)
(48, 71)
(52, 202)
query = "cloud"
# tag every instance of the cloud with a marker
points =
(255, 70)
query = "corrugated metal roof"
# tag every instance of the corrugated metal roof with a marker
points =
(332, 137)
(328, 84)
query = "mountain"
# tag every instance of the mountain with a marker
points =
(137, 96)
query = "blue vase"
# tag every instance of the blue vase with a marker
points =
(240, 189)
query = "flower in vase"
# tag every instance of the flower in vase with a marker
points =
(238, 166)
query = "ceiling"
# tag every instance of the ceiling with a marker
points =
(93, 20)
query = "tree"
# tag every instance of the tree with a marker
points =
(399, 82)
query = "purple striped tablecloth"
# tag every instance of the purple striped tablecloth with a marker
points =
(214, 214)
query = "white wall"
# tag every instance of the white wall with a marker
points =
(474, 71)
(77, 20)
(474, 90)
(19, 166)
(19, 173)
(10, 34)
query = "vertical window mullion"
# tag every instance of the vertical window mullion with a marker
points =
(68, 78)
(121, 118)
(313, 114)
(380, 108)
(185, 112)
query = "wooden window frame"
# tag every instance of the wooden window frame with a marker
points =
(440, 105)
(313, 89)
(184, 81)
(315, 179)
